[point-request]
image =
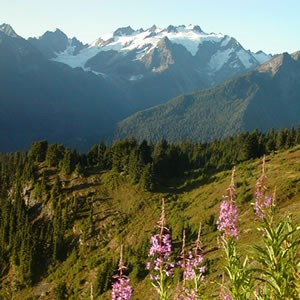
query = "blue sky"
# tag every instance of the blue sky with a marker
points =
(269, 25)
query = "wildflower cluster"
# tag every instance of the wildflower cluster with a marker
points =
(263, 202)
(276, 260)
(272, 272)
(160, 254)
(193, 269)
(278, 257)
(227, 222)
(121, 288)
(160, 251)
(193, 264)
(237, 272)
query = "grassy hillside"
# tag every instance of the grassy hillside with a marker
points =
(110, 211)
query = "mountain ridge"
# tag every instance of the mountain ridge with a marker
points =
(267, 97)
(142, 42)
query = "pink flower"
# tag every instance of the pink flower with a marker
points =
(160, 251)
(161, 245)
(227, 222)
(121, 289)
(228, 217)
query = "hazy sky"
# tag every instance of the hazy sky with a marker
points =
(269, 25)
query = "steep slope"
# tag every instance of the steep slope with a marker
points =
(268, 97)
(44, 99)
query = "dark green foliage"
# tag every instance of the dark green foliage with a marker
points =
(56, 190)
(96, 155)
(61, 291)
(79, 171)
(38, 151)
(250, 146)
(40, 190)
(67, 165)
(144, 152)
(103, 278)
(147, 178)
(58, 232)
(281, 139)
(54, 155)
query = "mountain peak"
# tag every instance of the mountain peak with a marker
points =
(8, 30)
(172, 28)
(296, 55)
(273, 65)
(183, 28)
(197, 28)
(152, 28)
(57, 33)
(124, 31)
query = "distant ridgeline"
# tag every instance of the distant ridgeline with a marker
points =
(39, 212)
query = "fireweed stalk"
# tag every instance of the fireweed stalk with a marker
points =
(121, 289)
(160, 252)
(264, 204)
(238, 273)
(193, 269)
(277, 258)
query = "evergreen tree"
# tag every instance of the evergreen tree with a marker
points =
(160, 159)
(67, 164)
(79, 171)
(92, 156)
(54, 155)
(147, 178)
(58, 232)
(38, 151)
(144, 152)
(56, 190)
(134, 166)
(281, 139)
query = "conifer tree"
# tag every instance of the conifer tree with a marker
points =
(38, 150)
(67, 163)
(147, 178)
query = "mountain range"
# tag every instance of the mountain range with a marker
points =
(266, 97)
(154, 65)
(45, 99)
(58, 88)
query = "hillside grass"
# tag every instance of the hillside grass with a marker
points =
(123, 214)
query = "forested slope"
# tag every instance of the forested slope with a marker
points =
(64, 215)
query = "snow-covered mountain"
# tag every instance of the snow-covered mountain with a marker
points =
(138, 53)
(154, 65)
